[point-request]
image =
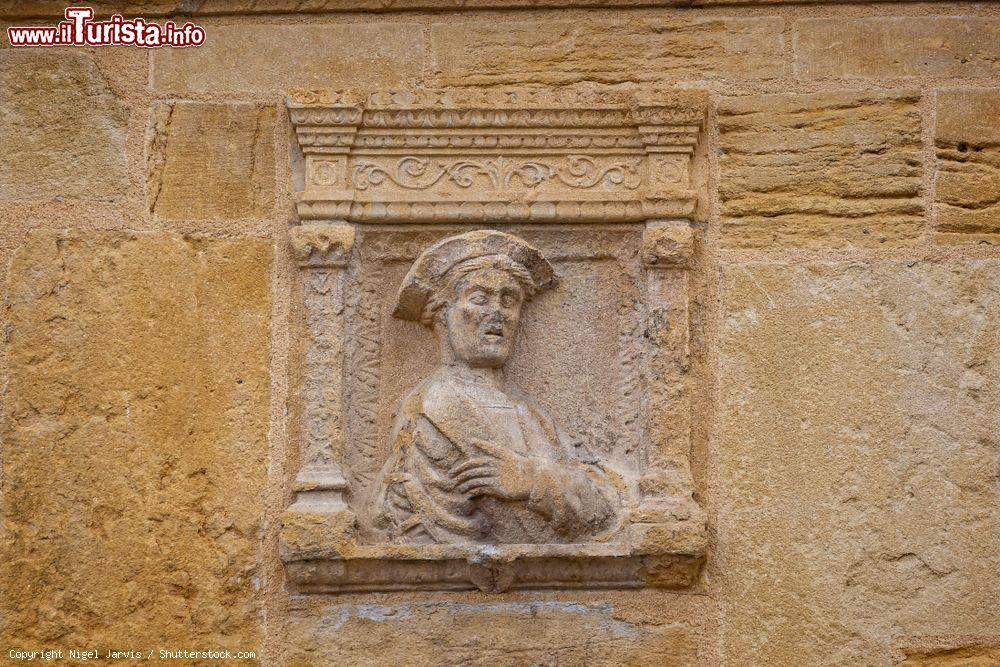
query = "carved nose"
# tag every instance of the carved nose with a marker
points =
(496, 315)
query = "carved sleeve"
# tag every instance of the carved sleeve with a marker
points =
(576, 499)
(416, 503)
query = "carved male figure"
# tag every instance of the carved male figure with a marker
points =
(473, 459)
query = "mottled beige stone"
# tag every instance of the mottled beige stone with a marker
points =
(967, 194)
(839, 168)
(947, 46)
(62, 130)
(320, 241)
(974, 655)
(641, 49)
(134, 442)
(274, 58)
(209, 7)
(211, 161)
(857, 458)
(494, 634)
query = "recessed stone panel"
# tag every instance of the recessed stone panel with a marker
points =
(210, 161)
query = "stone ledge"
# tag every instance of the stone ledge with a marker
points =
(321, 555)
(492, 568)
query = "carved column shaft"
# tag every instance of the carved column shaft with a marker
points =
(666, 483)
(323, 252)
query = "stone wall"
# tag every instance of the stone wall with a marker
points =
(845, 331)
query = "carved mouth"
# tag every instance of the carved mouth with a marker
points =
(493, 331)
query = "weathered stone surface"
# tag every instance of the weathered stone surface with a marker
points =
(134, 442)
(821, 169)
(858, 497)
(274, 58)
(967, 192)
(974, 655)
(495, 634)
(24, 8)
(61, 128)
(558, 52)
(211, 161)
(952, 46)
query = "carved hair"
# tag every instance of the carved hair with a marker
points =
(449, 282)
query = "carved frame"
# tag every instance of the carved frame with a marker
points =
(493, 159)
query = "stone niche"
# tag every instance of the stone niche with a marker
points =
(595, 198)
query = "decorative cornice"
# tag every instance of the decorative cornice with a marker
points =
(495, 156)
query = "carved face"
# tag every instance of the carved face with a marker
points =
(483, 316)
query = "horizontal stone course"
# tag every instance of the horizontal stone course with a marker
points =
(938, 46)
(967, 188)
(610, 51)
(839, 168)
(495, 633)
(274, 58)
(209, 7)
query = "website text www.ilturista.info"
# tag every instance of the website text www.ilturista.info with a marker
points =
(61, 655)
(79, 29)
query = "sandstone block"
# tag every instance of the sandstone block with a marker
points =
(450, 634)
(211, 161)
(897, 47)
(974, 655)
(967, 195)
(275, 58)
(857, 459)
(35, 8)
(840, 168)
(134, 442)
(61, 128)
(559, 52)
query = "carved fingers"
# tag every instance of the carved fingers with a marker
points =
(503, 474)
(472, 476)
(463, 466)
(488, 485)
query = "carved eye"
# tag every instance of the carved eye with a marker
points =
(508, 300)
(478, 298)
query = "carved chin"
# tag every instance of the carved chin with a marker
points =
(492, 348)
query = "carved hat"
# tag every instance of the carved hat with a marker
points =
(429, 272)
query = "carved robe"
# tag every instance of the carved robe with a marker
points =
(435, 429)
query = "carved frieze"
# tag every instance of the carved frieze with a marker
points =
(482, 157)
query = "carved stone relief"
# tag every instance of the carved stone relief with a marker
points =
(506, 405)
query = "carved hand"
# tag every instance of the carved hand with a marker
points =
(501, 473)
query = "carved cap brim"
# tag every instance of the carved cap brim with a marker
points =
(432, 266)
